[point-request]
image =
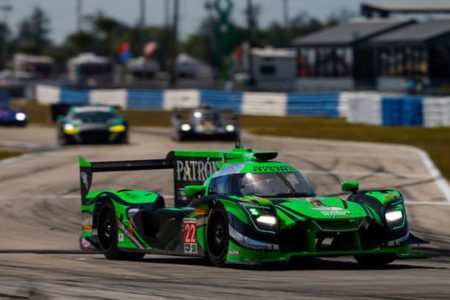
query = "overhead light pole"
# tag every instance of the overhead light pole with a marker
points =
(79, 14)
(6, 8)
(142, 21)
(286, 12)
(174, 43)
(251, 29)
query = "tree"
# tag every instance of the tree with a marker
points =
(80, 42)
(343, 15)
(108, 29)
(34, 30)
(4, 43)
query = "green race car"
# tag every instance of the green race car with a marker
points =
(240, 207)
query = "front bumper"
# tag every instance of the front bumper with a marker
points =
(96, 137)
(308, 239)
(13, 123)
(240, 255)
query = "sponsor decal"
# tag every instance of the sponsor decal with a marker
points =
(332, 211)
(191, 171)
(200, 211)
(190, 235)
(87, 228)
(390, 196)
(234, 252)
(195, 170)
(120, 237)
(316, 202)
(85, 244)
(273, 169)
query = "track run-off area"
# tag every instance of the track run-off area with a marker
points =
(40, 224)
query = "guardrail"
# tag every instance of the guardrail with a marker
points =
(358, 107)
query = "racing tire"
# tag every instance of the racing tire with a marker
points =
(217, 237)
(107, 235)
(375, 260)
(63, 141)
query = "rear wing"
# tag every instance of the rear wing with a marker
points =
(183, 113)
(189, 168)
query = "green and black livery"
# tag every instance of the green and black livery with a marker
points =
(240, 207)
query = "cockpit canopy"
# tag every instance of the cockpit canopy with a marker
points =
(261, 180)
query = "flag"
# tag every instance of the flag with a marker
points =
(124, 51)
(150, 48)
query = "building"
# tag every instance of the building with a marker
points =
(418, 52)
(387, 10)
(88, 69)
(342, 57)
(32, 67)
(274, 69)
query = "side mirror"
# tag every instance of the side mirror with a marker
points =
(194, 190)
(350, 186)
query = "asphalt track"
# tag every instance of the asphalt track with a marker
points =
(40, 225)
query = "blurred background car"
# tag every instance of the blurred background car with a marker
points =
(92, 125)
(205, 123)
(12, 117)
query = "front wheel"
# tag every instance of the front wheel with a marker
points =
(107, 235)
(217, 236)
(375, 260)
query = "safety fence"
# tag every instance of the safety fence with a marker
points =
(358, 107)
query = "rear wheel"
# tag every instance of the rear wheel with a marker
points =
(375, 260)
(107, 235)
(217, 236)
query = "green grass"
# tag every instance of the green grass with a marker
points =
(436, 141)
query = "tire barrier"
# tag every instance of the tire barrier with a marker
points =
(358, 107)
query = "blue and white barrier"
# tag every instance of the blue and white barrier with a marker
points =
(358, 107)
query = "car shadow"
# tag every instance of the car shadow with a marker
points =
(297, 264)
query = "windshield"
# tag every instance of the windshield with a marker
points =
(94, 116)
(276, 184)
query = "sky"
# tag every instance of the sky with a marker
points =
(63, 12)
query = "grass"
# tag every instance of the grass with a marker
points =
(436, 141)
(4, 154)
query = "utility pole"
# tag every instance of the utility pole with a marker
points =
(142, 22)
(79, 14)
(167, 13)
(174, 43)
(286, 12)
(251, 29)
(6, 8)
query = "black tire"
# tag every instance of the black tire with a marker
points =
(123, 139)
(217, 236)
(376, 260)
(107, 235)
(62, 141)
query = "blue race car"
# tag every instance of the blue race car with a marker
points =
(12, 117)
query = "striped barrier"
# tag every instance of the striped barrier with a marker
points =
(358, 107)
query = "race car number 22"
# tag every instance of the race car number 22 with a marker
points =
(190, 236)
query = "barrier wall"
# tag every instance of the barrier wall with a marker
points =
(358, 107)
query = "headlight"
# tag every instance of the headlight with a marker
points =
(197, 114)
(185, 127)
(117, 128)
(392, 216)
(70, 129)
(262, 217)
(20, 116)
(230, 128)
(267, 220)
